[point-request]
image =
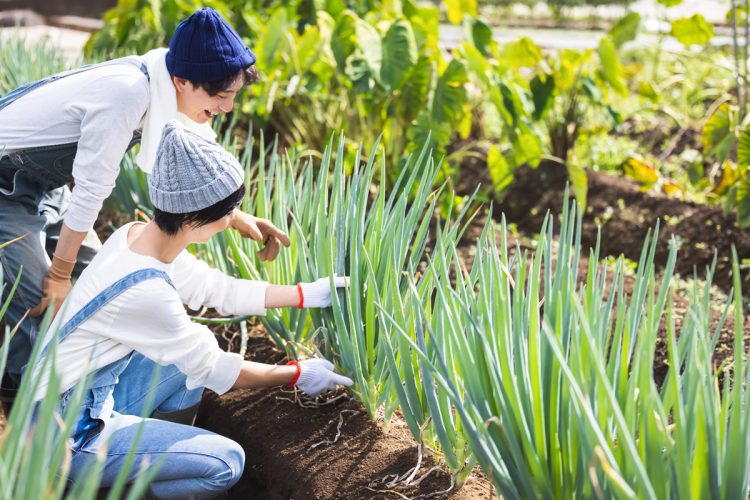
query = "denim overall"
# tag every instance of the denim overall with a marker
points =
(99, 400)
(33, 194)
(194, 462)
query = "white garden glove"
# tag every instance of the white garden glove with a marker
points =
(318, 293)
(317, 376)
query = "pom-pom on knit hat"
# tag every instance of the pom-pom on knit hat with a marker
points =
(190, 172)
(205, 48)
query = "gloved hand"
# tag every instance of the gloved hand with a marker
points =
(55, 285)
(318, 293)
(262, 231)
(317, 376)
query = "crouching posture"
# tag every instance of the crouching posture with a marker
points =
(125, 315)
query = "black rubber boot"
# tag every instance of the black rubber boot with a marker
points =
(185, 416)
(8, 392)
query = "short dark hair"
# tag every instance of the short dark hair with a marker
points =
(171, 223)
(249, 75)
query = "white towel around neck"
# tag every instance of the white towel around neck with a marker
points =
(162, 108)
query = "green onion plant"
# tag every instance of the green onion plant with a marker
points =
(23, 61)
(341, 221)
(551, 377)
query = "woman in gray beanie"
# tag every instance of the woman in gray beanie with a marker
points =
(75, 127)
(126, 315)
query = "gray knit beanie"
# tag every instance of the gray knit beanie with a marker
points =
(190, 172)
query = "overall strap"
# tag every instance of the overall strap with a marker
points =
(105, 296)
(21, 91)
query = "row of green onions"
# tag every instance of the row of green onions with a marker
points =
(542, 377)
(552, 382)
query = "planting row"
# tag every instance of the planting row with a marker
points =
(548, 385)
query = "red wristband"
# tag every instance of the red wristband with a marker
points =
(296, 377)
(301, 295)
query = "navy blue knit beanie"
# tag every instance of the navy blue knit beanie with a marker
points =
(205, 48)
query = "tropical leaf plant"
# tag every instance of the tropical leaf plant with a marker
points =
(726, 131)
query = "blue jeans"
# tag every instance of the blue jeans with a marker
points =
(194, 462)
(28, 208)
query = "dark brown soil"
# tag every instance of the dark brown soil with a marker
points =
(625, 214)
(284, 455)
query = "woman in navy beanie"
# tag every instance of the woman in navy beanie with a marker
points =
(75, 127)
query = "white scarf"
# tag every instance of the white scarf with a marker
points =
(162, 107)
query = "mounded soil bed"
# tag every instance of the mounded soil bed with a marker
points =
(625, 214)
(289, 453)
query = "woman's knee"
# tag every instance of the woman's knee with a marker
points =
(230, 464)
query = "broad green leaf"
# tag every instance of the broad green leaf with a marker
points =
(426, 26)
(369, 43)
(491, 122)
(611, 69)
(463, 127)
(579, 181)
(425, 127)
(479, 35)
(476, 63)
(692, 30)
(646, 89)
(743, 201)
(591, 89)
(522, 53)
(450, 93)
(528, 148)
(626, 29)
(542, 92)
(399, 54)
(457, 9)
(509, 103)
(344, 39)
(718, 135)
(571, 66)
(743, 148)
(415, 92)
(271, 43)
(670, 3)
(695, 171)
(308, 47)
(357, 70)
(333, 7)
(500, 171)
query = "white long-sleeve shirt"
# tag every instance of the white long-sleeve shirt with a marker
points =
(150, 317)
(99, 109)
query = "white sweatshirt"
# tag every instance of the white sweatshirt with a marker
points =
(104, 106)
(150, 317)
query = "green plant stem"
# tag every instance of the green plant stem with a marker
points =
(737, 68)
